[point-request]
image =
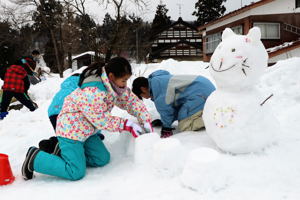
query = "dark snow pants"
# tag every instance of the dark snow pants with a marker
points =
(21, 97)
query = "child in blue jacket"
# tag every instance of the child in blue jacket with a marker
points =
(67, 86)
(180, 97)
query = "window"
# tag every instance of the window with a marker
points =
(212, 42)
(238, 29)
(269, 30)
(297, 3)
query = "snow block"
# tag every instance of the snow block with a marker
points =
(144, 148)
(204, 170)
(168, 157)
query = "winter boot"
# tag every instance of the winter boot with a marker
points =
(50, 146)
(100, 135)
(3, 114)
(56, 150)
(27, 167)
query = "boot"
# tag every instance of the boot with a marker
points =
(50, 145)
(27, 167)
(3, 114)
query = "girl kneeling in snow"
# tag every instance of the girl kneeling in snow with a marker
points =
(84, 110)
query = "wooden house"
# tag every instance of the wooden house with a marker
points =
(180, 41)
(83, 59)
(279, 21)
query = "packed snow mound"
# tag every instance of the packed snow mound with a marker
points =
(138, 170)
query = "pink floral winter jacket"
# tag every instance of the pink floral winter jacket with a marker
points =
(89, 108)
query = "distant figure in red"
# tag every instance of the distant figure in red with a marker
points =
(16, 84)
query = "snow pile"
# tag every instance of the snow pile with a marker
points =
(186, 166)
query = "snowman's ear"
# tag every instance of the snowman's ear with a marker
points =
(254, 34)
(227, 33)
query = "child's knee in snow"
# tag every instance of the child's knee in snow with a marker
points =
(103, 160)
(78, 174)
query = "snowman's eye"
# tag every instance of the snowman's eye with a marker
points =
(233, 50)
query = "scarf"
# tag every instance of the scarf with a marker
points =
(117, 89)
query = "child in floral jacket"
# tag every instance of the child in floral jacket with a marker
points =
(84, 110)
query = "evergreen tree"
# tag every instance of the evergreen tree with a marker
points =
(88, 32)
(160, 19)
(8, 44)
(48, 18)
(14, 43)
(207, 10)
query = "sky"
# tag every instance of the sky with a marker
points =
(187, 8)
(98, 11)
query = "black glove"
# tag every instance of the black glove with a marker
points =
(166, 132)
(156, 123)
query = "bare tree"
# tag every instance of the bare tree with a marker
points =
(118, 5)
(79, 5)
(11, 13)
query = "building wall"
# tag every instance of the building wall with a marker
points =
(275, 7)
(285, 36)
(177, 41)
(247, 23)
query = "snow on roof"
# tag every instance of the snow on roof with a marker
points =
(284, 45)
(84, 53)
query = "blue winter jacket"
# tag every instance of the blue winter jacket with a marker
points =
(67, 87)
(178, 97)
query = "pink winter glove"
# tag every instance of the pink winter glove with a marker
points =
(133, 128)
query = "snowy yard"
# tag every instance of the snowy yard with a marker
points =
(149, 168)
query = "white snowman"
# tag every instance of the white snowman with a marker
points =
(236, 116)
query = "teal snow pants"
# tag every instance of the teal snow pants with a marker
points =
(75, 157)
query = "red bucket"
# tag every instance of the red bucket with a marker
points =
(6, 175)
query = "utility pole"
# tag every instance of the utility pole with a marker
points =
(180, 7)
(241, 3)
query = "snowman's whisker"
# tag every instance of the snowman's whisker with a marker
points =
(245, 65)
(221, 63)
(244, 71)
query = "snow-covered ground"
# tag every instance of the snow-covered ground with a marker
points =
(185, 166)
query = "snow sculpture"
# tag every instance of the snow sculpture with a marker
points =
(236, 115)
(144, 148)
(168, 157)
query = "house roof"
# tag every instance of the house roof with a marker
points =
(236, 12)
(179, 21)
(283, 48)
(92, 53)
